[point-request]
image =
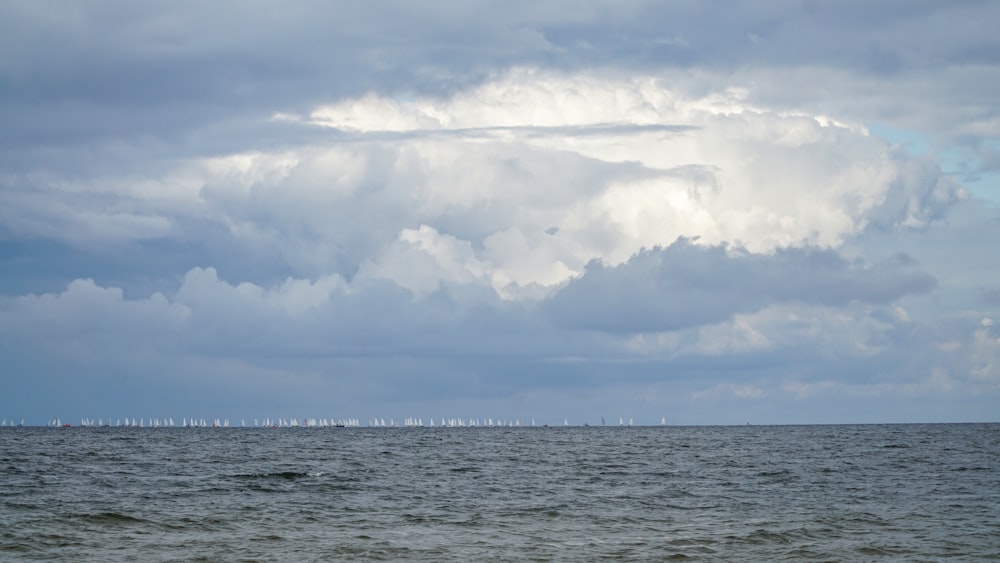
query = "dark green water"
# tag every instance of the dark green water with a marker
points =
(892, 492)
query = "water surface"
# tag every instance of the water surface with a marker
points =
(893, 492)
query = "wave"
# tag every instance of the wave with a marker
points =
(111, 518)
(286, 475)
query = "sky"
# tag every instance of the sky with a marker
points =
(699, 212)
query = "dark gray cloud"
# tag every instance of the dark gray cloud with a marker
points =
(990, 297)
(686, 285)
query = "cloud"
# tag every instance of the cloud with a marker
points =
(740, 391)
(501, 203)
(581, 193)
(560, 170)
(703, 158)
(685, 285)
(189, 79)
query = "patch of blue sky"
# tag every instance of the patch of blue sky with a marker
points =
(959, 162)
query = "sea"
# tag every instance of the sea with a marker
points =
(920, 492)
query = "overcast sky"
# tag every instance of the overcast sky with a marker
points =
(708, 212)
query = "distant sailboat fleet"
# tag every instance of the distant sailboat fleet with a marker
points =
(333, 422)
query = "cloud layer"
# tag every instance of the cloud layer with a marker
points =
(627, 206)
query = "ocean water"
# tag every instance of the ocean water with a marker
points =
(871, 492)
